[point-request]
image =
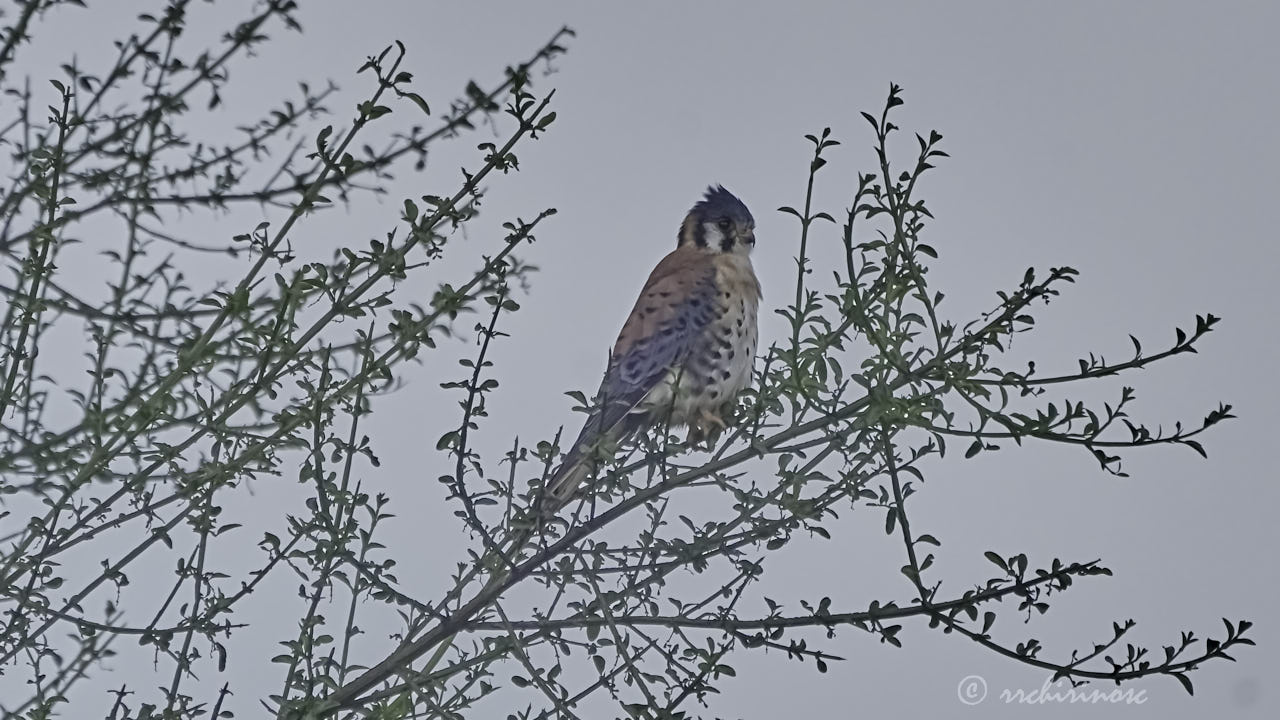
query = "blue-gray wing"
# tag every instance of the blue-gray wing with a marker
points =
(676, 305)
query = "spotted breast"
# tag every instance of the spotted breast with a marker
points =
(718, 363)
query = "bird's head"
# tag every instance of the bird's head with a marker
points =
(719, 222)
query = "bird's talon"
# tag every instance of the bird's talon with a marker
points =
(709, 418)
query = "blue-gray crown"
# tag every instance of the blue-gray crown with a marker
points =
(718, 202)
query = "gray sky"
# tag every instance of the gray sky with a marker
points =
(1133, 141)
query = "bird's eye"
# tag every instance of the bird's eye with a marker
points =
(723, 223)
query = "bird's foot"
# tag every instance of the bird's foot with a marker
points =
(710, 418)
(706, 426)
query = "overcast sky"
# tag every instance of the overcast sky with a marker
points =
(1134, 141)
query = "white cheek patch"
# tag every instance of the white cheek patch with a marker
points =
(715, 238)
(711, 232)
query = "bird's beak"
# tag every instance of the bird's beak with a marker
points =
(750, 239)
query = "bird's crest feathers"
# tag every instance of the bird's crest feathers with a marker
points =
(718, 202)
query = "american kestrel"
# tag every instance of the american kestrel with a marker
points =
(687, 348)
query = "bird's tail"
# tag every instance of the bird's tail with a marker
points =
(564, 482)
(581, 460)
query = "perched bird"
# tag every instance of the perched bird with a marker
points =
(687, 348)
